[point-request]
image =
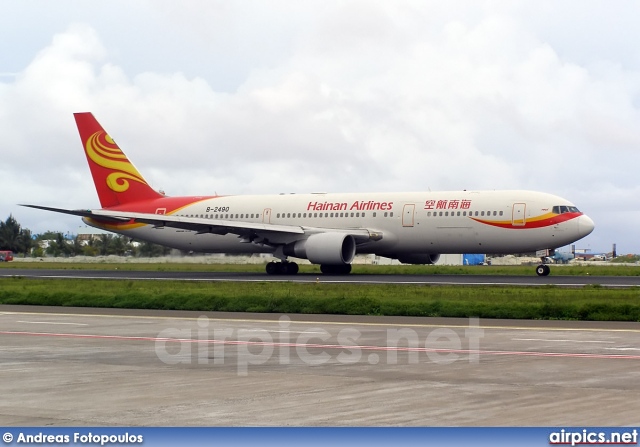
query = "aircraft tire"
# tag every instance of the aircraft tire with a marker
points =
(543, 270)
(329, 269)
(282, 268)
(272, 268)
(290, 268)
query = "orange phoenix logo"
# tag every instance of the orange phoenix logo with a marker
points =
(103, 151)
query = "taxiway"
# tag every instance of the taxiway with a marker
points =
(79, 367)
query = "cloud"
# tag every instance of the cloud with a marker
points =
(357, 96)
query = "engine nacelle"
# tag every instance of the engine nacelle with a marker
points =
(430, 258)
(324, 248)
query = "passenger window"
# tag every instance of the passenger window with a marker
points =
(464, 213)
(351, 214)
(501, 213)
(363, 214)
(374, 214)
(391, 214)
(446, 213)
(288, 214)
(357, 214)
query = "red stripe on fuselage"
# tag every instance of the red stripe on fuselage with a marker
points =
(168, 206)
(532, 223)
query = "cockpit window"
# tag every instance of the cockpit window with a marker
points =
(561, 209)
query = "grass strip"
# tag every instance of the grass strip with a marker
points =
(548, 302)
(515, 270)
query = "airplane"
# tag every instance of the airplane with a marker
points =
(589, 256)
(328, 229)
(561, 257)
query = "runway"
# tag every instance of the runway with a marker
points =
(79, 367)
(533, 280)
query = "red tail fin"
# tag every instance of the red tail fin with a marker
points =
(117, 180)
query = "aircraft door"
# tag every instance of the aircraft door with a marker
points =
(518, 216)
(408, 214)
(266, 215)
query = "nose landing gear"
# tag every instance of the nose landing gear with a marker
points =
(543, 270)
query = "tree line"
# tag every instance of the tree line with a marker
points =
(22, 241)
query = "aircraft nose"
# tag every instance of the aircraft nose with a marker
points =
(585, 225)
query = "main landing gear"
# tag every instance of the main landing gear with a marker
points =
(543, 270)
(282, 268)
(291, 268)
(343, 269)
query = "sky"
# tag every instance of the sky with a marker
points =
(247, 97)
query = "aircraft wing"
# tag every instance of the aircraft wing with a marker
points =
(253, 231)
(81, 213)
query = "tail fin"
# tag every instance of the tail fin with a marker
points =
(117, 180)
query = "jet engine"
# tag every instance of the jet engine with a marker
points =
(430, 258)
(324, 248)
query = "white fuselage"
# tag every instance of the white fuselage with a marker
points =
(409, 223)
